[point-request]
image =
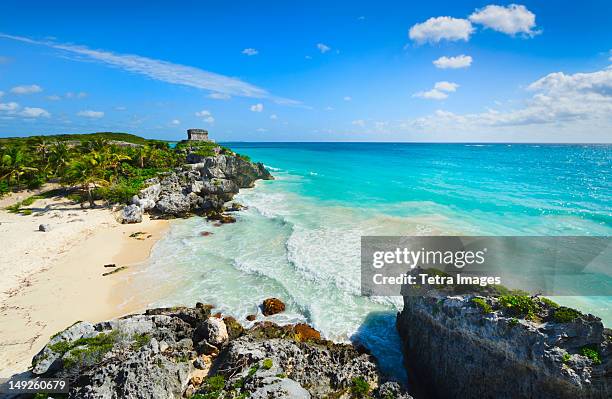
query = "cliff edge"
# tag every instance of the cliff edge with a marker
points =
(511, 346)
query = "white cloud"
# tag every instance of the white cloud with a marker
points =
(219, 96)
(163, 71)
(348, 98)
(203, 113)
(26, 89)
(54, 97)
(460, 61)
(1, 93)
(323, 48)
(446, 86)
(381, 125)
(250, 51)
(439, 92)
(257, 107)
(9, 107)
(120, 108)
(206, 116)
(511, 20)
(358, 122)
(91, 114)
(274, 117)
(559, 100)
(33, 112)
(432, 94)
(80, 94)
(261, 130)
(175, 122)
(308, 57)
(441, 28)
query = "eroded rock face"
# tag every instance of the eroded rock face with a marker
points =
(157, 355)
(454, 349)
(213, 331)
(131, 214)
(201, 186)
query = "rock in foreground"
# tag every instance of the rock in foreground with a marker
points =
(508, 347)
(186, 352)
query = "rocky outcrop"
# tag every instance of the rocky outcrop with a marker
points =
(201, 186)
(131, 214)
(272, 306)
(181, 352)
(504, 347)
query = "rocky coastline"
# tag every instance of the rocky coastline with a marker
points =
(505, 346)
(201, 186)
(195, 353)
(455, 346)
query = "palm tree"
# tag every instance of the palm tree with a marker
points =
(87, 172)
(59, 158)
(41, 146)
(144, 152)
(13, 165)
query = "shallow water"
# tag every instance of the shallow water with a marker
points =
(299, 238)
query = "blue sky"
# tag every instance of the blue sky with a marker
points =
(309, 71)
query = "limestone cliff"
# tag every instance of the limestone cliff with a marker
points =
(504, 347)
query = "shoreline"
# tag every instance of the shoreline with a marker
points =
(65, 268)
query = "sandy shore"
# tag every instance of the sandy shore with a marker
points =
(52, 279)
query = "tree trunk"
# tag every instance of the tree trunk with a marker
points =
(92, 204)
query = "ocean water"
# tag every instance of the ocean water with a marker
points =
(299, 238)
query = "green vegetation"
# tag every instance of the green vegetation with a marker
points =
(17, 207)
(566, 357)
(549, 303)
(253, 370)
(565, 315)
(592, 352)
(213, 387)
(513, 322)
(86, 351)
(519, 305)
(99, 166)
(483, 305)
(359, 388)
(266, 364)
(141, 340)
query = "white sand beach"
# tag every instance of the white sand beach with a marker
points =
(52, 279)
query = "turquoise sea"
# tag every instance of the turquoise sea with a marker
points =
(299, 239)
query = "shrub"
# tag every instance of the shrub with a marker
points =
(141, 340)
(85, 351)
(519, 305)
(565, 315)
(513, 322)
(253, 370)
(566, 357)
(120, 192)
(592, 352)
(215, 383)
(483, 305)
(359, 388)
(549, 303)
(267, 364)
